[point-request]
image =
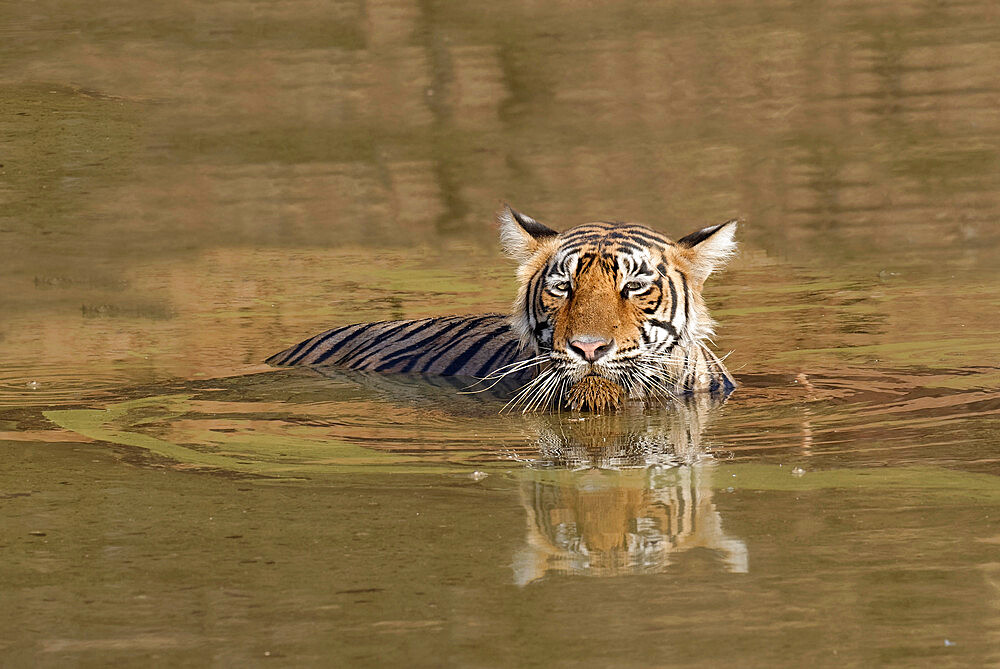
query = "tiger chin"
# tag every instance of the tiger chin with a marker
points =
(606, 313)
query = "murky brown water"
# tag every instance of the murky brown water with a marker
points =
(187, 187)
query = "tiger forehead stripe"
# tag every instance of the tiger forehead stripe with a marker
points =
(627, 258)
(633, 237)
(636, 265)
(604, 261)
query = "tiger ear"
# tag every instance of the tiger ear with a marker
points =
(521, 235)
(709, 249)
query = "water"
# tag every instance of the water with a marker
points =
(187, 188)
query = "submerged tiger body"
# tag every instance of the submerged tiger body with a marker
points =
(606, 312)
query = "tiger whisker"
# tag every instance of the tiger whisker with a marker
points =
(543, 394)
(640, 380)
(655, 385)
(558, 398)
(563, 381)
(525, 391)
(650, 378)
(515, 367)
(544, 397)
(562, 392)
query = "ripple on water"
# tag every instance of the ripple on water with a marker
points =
(293, 423)
(868, 417)
(33, 386)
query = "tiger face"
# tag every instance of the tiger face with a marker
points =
(614, 310)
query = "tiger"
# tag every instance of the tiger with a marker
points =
(605, 313)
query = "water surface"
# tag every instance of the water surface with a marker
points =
(186, 188)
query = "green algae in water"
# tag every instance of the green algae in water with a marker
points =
(261, 455)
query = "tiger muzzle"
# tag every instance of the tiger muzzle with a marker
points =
(595, 393)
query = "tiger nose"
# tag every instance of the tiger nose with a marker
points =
(591, 348)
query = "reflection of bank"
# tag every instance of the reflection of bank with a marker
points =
(614, 495)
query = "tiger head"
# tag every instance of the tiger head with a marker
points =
(614, 310)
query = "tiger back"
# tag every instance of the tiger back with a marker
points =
(447, 346)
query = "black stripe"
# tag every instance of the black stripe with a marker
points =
(582, 243)
(673, 298)
(318, 339)
(279, 358)
(490, 364)
(647, 235)
(470, 352)
(393, 357)
(354, 338)
(538, 330)
(576, 234)
(669, 327)
(372, 348)
(529, 295)
(375, 339)
(631, 247)
(399, 355)
(687, 301)
(613, 232)
(408, 367)
(638, 236)
(402, 354)
(453, 346)
(535, 299)
(347, 331)
(659, 300)
(588, 229)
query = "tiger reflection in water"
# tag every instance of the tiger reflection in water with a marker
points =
(605, 495)
(617, 495)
